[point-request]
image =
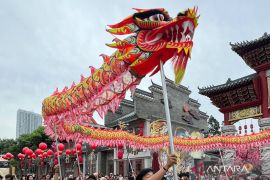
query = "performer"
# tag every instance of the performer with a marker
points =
(147, 174)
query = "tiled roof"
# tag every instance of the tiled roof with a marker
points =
(245, 46)
(227, 86)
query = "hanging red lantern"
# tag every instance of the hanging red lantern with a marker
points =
(120, 154)
(141, 132)
(49, 153)
(110, 145)
(61, 147)
(24, 150)
(21, 156)
(120, 146)
(29, 152)
(33, 156)
(78, 147)
(55, 155)
(9, 155)
(44, 155)
(68, 152)
(42, 146)
(141, 125)
(93, 146)
(73, 151)
(39, 151)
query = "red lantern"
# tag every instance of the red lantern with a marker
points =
(49, 153)
(68, 152)
(141, 132)
(44, 155)
(80, 153)
(38, 151)
(24, 150)
(78, 147)
(73, 151)
(141, 125)
(29, 152)
(21, 156)
(120, 146)
(93, 146)
(33, 156)
(120, 154)
(9, 155)
(42, 146)
(110, 145)
(61, 147)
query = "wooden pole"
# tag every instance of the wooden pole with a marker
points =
(168, 117)
(58, 155)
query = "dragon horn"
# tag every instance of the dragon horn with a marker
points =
(120, 45)
(106, 58)
(126, 21)
(121, 30)
(82, 78)
(92, 69)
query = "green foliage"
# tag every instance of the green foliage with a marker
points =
(213, 127)
(32, 140)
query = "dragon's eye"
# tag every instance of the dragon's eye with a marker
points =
(156, 17)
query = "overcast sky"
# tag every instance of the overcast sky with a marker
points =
(49, 44)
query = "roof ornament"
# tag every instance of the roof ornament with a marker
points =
(229, 80)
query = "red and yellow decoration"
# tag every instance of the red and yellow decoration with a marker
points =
(99, 137)
(154, 36)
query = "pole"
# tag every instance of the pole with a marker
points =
(130, 162)
(58, 155)
(168, 117)
(78, 161)
(84, 159)
(222, 160)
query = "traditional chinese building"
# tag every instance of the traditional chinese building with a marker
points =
(140, 112)
(246, 97)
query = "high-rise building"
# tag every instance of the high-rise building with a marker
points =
(27, 122)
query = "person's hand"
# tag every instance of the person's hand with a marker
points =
(170, 161)
(56, 168)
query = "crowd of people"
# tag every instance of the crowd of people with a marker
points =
(145, 174)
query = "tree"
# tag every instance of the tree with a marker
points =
(27, 140)
(213, 127)
(32, 140)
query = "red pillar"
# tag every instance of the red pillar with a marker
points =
(226, 119)
(264, 91)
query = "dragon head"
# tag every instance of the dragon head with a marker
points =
(155, 37)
